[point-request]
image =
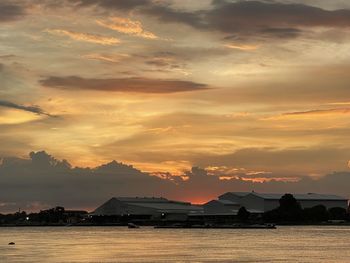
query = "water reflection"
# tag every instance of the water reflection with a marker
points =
(116, 244)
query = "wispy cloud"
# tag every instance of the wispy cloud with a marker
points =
(340, 103)
(320, 112)
(136, 85)
(86, 37)
(127, 26)
(310, 114)
(243, 47)
(34, 109)
(106, 58)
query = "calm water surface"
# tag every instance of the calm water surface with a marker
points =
(118, 244)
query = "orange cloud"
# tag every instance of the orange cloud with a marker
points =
(225, 172)
(92, 38)
(12, 116)
(242, 47)
(262, 179)
(340, 103)
(274, 179)
(127, 26)
(320, 112)
(311, 113)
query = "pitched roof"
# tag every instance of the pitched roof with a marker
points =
(222, 201)
(226, 202)
(160, 204)
(148, 200)
(308, 196)
(239, 194)
(169, 206)
(142, 199)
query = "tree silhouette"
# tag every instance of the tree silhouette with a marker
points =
(317, 213)
(288, 211)
(243, 214)
(337, 213)
(288, 202)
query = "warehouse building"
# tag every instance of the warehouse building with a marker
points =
(221, 207)
(263, 202)
(142, 209)
(220, 211)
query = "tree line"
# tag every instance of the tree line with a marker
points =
(290, 211)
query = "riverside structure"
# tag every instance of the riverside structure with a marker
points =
(225, 209)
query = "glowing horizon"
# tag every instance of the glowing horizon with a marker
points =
(170, 85)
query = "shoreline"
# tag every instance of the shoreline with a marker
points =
(187, 227)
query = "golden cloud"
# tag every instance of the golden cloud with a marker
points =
(86, 37)
(310, 114)
(127, 26)
(242, 47)
(13, 116)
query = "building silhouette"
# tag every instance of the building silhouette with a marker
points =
(143, 209)
(224, 210)
(262, 202)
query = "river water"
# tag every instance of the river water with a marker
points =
(120, 244)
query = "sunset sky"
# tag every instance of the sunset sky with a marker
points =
(253, 94)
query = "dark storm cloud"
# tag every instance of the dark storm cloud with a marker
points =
(269, 19)
(33, 109)
(246, 18)
(46, 180)
(138, 85)
(170, 15)
(10, 11)
(242, 15)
